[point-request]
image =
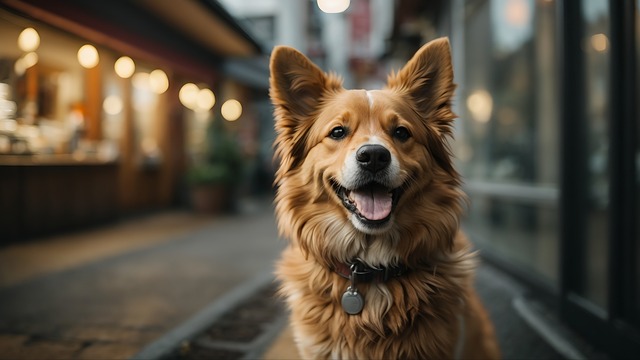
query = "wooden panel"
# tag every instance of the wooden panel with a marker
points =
(93, 103)
(44, 199)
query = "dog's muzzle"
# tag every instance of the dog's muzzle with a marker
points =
(371, 199)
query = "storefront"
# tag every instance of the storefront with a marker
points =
(548, 143)
(104, 107)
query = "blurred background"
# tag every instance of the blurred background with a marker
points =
(114, 110)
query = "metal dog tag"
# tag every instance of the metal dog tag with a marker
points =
(352, 301)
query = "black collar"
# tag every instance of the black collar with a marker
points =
(362, 272)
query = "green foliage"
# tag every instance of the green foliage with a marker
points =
(203, 174)
(222, 161)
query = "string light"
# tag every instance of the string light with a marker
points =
(333, 6)
(188, 95)
(124, 67)
(231, 110)
(205, 100)
(158, 81)
(28, 40)
(88, 56)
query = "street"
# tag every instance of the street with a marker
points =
(111, 307)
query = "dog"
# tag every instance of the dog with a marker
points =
(376, 266)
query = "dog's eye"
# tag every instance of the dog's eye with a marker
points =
(338, 133)
(401, 133)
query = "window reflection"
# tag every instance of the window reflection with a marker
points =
(595, 47)
(47, 86)
(147, 113)
(507, 144)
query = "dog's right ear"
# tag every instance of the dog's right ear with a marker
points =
(297, 87)
(296, 84)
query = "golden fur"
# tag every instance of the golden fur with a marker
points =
(423, 313)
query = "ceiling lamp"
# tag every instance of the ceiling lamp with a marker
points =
(28, 40)
(205, 100)
(231, 110)
(188, 95)
(158, 81)
(88, 56)
(333, 6)
(112, 105)
(124, 67)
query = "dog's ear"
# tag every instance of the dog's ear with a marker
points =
(297, 86)
(428, 80)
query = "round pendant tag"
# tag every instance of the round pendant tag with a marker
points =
(352, 302)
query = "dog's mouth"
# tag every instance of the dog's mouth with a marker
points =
(372, 204)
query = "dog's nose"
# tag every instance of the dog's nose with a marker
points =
(373, 157)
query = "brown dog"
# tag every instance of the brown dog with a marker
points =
(377, 267)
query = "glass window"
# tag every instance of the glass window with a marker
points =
(114, 106)
(637, 275)
(45, 84)
(145, 103)
(507, 141)
(597, 57)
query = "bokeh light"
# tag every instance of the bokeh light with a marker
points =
(124, 67)
(188, 95)
(112, 105)
(231, 110)
(205, 100)
(28, 40)
(158, 81)
(88, 56)
(600, 42)
(333, 6)
(480, 105)
(141, 81)
(25, 62)
(30, 59)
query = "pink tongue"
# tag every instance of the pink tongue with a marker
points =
(373, 204)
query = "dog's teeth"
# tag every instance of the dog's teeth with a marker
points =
(348, 195)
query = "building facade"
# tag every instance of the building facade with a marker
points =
(547, 137)
(106, 106)
(547, 141)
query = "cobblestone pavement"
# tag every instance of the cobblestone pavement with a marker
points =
(109, 307)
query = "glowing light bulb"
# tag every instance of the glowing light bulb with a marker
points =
(158, 81)
(188, 95)
(28, 40)
(205, 100)
(112, 105)
(600, 42)
(124, 67)
(141, 81)
(88, 56)
(231, 110)
(30, 59)
(333, 6)
(480, 104)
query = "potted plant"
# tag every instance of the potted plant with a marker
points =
(212, 177)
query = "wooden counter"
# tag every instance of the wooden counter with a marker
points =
(41, 195)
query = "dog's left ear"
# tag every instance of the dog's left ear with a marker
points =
(428, 80)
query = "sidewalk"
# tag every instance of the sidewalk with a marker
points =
(109, 292)
(179, 286)
(256, 328)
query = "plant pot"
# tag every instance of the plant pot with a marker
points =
(210, 198)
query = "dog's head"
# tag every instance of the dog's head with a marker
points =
(358, 165)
